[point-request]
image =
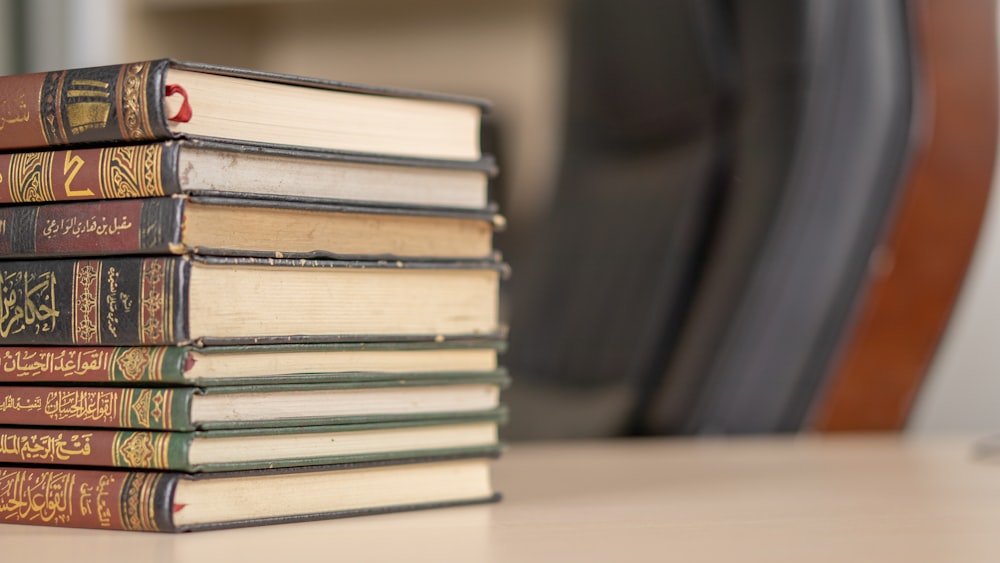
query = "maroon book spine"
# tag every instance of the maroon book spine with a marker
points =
(133, 226)
(82, 498)
(114, 172)
(108, 104)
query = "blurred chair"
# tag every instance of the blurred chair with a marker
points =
(729, 171)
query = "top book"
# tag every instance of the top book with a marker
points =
(164, 99)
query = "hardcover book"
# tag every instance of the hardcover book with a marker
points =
(235, 365)
(206, 408)
(227, 226)
(178, 300)
(200, 167)
(256, 448)
(163, 99)
(178, 502)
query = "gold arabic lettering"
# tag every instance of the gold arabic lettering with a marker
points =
(67, 363)
(89, 405)
(13, 111)
(12, 403)
(80, 226)
(45, 447)
(27, 300)
(71, 166)
(28, 496)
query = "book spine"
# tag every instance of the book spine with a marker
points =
(147, 226)
(139, 408)
(107, 104)
(83, 498)
(93, 302)
(106, 448)
(121, 172)
(120, 365)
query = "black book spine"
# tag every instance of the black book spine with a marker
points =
(123, 302)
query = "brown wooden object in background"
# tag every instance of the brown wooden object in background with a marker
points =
(918, 270)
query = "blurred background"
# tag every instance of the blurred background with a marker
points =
(723, 218)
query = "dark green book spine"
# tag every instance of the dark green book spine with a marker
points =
(92, 302)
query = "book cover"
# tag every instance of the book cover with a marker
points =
(246, 406)
(179, 502)
(253, 448)
(233, 226)
(139, 301)
(229, 365)
(163, 99)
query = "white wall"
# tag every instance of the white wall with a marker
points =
(962, 391)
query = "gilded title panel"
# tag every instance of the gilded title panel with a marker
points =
(27, 302)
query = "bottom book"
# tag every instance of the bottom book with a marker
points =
(180, 502)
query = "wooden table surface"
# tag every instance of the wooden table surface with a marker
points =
(761, 499)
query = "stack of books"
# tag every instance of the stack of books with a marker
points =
(231, 298)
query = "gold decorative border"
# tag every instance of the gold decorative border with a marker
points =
(155, 370)
(50, 104)
(156, 315)
(132, 171)
(146, 408)
(138, 501)
(30, 177)
(141, 450)
(132, 100)
(135, 363)
(86, 308)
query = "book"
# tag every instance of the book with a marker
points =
(233, 365)
(206, 300)
(229, 226)
(206, 408)
(254, 448)
(177, 502)
(164, 99)
(199, 167)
